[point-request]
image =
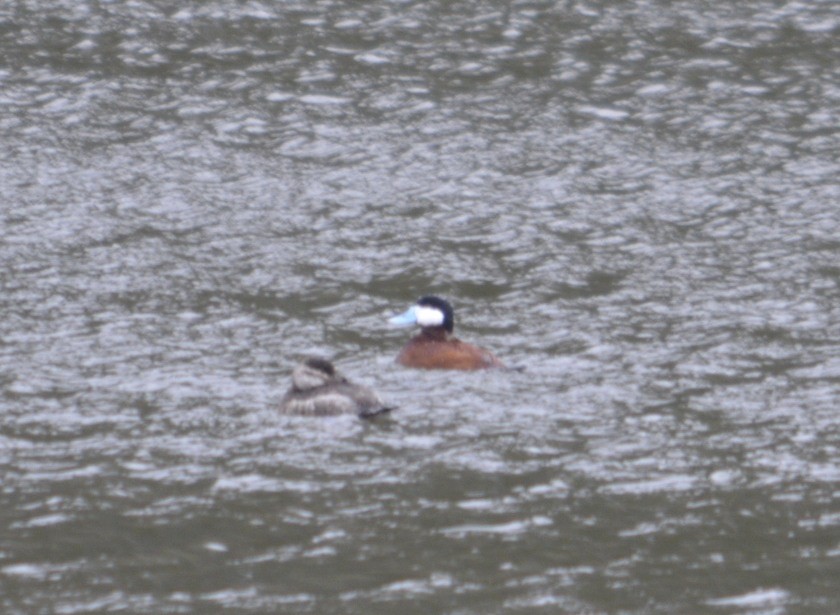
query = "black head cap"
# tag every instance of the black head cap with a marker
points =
(444, 307)
(322, 365)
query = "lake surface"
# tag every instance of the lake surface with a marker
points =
(637, 202)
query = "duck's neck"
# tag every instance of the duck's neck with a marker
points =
(435, 334)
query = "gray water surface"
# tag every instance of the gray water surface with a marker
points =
(637, 202)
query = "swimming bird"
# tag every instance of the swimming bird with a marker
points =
(435, 347)
(318, 389)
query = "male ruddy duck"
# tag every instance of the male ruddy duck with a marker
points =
(319, 390)
(435, 347)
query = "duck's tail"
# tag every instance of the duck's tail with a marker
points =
(369, 414)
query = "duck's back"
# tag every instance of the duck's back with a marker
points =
(426, 352)
(331, 400)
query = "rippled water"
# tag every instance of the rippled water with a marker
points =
(637, 202)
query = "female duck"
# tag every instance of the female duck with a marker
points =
(435, 347)
(319, 390)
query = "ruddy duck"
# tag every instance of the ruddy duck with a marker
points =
(319, 390)
(435, 347)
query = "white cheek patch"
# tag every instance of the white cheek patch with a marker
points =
(428, 316)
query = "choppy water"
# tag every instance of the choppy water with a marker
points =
(636, 201)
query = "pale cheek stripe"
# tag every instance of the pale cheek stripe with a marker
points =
(429, 316)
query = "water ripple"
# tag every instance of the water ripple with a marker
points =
(635, 203)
